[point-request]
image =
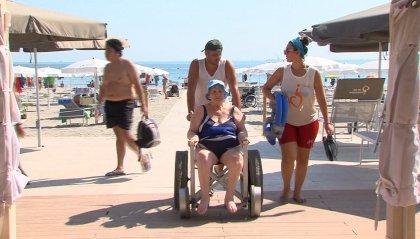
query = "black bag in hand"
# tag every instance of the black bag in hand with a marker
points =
(148, 135)
(330, 147)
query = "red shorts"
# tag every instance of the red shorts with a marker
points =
(304, 135)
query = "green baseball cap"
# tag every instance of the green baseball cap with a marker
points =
(213, 45)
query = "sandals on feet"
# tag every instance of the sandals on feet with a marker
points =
(145, 162)
(114, 173)
(299, 200)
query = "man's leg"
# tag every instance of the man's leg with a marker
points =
(120, 145)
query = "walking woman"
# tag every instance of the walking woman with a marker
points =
(301, 83)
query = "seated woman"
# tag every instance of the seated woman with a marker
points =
(218, 131)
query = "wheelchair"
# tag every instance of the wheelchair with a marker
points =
(186, 197)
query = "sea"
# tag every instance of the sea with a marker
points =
(178, 70)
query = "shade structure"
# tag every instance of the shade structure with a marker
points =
(50, 46)
(363, 29)
(83, 67)
(49, 71)
(322, 64)
(265, 68)
(344, 69)
(159, 72)
(372, 67)
(31, 26)
(144, 69)
(23, 71)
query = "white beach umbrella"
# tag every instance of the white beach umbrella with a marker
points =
(144, 69)
(241, 70)
(372, 67)
(159, 72)
(23, 71)
(269, 68)
(49, 71)
(343, 69)
(322, 64)
(92, 66)
(83, 67)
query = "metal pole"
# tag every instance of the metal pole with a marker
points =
(38, 121)
(380, 60)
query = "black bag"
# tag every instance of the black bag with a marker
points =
(330, 147)
(147, 134)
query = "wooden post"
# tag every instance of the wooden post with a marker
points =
(400, 222)
(7, 221)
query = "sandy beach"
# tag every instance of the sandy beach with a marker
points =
(52, 125)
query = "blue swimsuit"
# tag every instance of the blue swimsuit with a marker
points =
(217, 138)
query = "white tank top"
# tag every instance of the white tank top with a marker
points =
(301, 94)
(203, 79)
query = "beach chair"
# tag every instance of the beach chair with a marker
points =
(153, 93)
(355, 103)
(72, 111)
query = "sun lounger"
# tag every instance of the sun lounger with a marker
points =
(356, 101)
(73, 111)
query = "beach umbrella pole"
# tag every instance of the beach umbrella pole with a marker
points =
(380, 60)
(38, 121)
(96, 83)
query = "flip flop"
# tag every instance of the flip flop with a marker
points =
(145, 162)
(114, 173)
(300, 200)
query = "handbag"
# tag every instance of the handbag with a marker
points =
(148, 135)
(330, 147)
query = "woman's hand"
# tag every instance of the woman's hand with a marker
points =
(243, 138)
(193, 140)
(20, 131)
(329, 128)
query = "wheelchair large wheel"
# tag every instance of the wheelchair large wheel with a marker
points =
(181, 175)
(255, 197)
(184, 203)
(250, 101)
(255, 183)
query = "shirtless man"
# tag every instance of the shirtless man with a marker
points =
(120, 88)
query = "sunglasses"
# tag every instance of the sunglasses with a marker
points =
(286, 51)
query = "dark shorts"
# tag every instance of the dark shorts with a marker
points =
(304, 135)
(119, 113)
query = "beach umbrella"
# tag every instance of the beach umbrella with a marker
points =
(265, 68)
(83, 67)
(398, 159)
(90, 66)
(343, 69)
(144, 69)
(49, 71)
(159, 72)
(241, 70)
(12, 182)
(50, 46)
(30, 26)
(23, 71)
(372, 67)
(322, 64)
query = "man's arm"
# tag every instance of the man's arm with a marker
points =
(135, 80)
(192, 84)
(233, 84)
(102, 87)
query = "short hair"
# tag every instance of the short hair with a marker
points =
(116, 45)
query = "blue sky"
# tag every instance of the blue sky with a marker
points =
(164, 30)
